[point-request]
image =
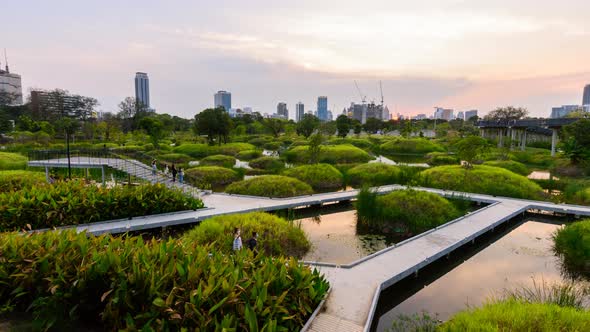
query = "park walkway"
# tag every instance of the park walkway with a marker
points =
(355, 287)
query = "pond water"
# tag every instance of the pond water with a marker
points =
(506, 259)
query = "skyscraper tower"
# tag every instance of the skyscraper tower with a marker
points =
(299, 111)
(223, 99)
(282, 110)
(586, 97)
(10, 84)
(323, 108)
(142, 90)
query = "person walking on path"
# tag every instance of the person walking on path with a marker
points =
(252, 242)
(166, 171)
(180, 175)
(154, 168)
(237, 240)
(174, 172)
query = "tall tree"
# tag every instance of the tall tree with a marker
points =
(275, 126)
(576, 141)
(215, 123)
(131, 111)
(373, 125)
(307, 125)
(507, 114)
(343, 124)
(154, 128)
(470, 148)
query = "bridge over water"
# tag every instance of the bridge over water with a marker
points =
(355, 287)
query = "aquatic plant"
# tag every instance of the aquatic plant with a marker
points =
(320, 177)
(248, 155)
(270, 164)
(572, 243)
(330, 154)
(374, 174)
(410, 146)
(218, 160)
(211, 176)
(270, 186)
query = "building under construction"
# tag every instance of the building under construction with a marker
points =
(362, 112)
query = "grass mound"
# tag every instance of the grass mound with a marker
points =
(441, 158)
(248, 154)
(330, 154)
(194, 150)
(211, 176)
(276, 236)
(513, 166)
(126, 283)
(175, 158)
(271, 164)
(404, 211)
(270, 186)
(9, 160)
(513, 315)
(218, 160)
(231, 149)
(410, 146)
(19, 179)
(481, 179)
(572, 243)
(320, 177)
(362, 143)
(374, 174)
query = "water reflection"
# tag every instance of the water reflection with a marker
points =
(523, 253)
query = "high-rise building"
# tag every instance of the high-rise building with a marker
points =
(223, 99)
(443, 114)
(299, 111)
(560, 112)
(470, 114)
(142, 90)
(323, 108)
(10, 86)
(460, 116)
(586, 96)
(359, 112)
(282, 110)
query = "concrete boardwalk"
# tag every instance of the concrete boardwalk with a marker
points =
(355, 287)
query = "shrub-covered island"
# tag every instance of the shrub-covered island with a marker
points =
(211, 177)
(374, 174)
(321, 177)
(270, 186)
(573, 244)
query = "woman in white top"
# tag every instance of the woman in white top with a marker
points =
(237, 240)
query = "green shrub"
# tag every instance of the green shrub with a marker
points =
(19, 179)
(267, 163)
(211, 176)
(102, 145)
(175, 158)
(534, 157)
(441, 158)
(481, 179)
(276, 236)
(515, 315)
(320, 177)
(260, 141)
(572, 243)
(577, 192)
(270, 186)
(72, 203)
(404, 211)
(273, 146)
(330, 154)
(362, 143)
(248, 155)
(410, 146)
(300, 142)
(193, 150)
(513, 166)
(128, 148)
(127, 283)
(218, 160)
(9, 160)
(231, 149)
(374, 174)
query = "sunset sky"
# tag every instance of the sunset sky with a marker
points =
(449, 53)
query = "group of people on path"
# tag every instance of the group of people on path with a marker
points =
(172, 170)
(251, 243)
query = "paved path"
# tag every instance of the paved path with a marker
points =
(355, 287)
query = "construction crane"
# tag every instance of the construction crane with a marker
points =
(363, 98)
(381, 89)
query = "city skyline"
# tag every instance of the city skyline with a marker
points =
(454, 54)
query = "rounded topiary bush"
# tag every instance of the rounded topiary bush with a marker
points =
(362, 143)
(176, 158)
(260, 141)
(194, 150)
(267, 163)
(218, 160)
(374, 174)
(329, 154)
(410, 146)
(270, 186)
(211, 176)
(9, 160)
(572, 243)
(20, 179)
(276, 236)
(320, 177)
(514, 315)
(249, 154)
(513, 166)
(404, 211)
(231, 149)
(440, 158)
(481, 179)
(273, 146)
